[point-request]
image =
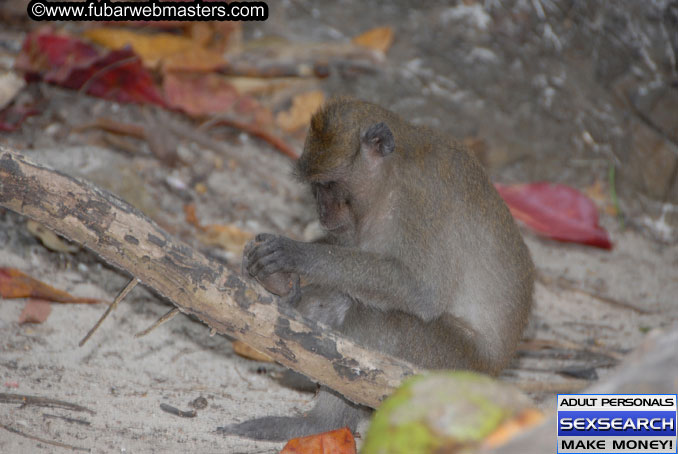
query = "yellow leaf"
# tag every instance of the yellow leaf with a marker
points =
(49, 239)
(195, 59)
(379, 38)
(200, 188)
(299, 115)
(244, 350)
(151, 48)
(509, 429)
(227, 236)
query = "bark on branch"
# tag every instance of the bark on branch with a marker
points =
(125, 238)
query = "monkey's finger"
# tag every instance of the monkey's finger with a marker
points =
(268, 265)
(248, 247)
(260, 250)
(254, 261)
(249, 254)
(276, 263)
(245, 256)
(264, 249)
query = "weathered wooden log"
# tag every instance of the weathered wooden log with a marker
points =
(125, 238)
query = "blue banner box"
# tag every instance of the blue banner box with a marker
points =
(617, 423)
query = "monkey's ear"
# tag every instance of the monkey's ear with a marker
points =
(378, 139)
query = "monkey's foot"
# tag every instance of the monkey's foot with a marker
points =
(277, 428)
(330, 412)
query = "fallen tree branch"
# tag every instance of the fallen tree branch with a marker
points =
(125, 238)
(25, 400)
(43, 440)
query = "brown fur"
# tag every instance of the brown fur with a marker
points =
(422, 259)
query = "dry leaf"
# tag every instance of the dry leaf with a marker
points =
(49, 239)
(190, 216)
(227, 236)
(598, 193)
(17, 284)
(204, 94)
(35, 311)
(200, 188)
(228, 36)
(69, 62)
(379, 38)
(260, 86)
(244, 350)
(514, 426)
(556, 211)
(299, 115)
(338, 441)
(196, 59)
(201, 33)
(151, 48)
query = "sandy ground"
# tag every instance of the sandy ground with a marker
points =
(591, 306)
(596, 305)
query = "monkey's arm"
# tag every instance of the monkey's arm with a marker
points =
(379, 281)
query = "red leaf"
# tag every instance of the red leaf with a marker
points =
(118, 76)
(206, 94)
(69, 62)
(556, 211)
(338, 441)
(17, 284)
(35, 311)
(45, 53)
(200, 94)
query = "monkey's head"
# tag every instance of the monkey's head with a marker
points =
(344, 159)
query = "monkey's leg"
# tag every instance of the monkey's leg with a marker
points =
(330, 412)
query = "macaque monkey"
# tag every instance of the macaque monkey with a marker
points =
(421, 260)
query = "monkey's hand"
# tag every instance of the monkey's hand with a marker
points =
(271, 254)
(273, 278)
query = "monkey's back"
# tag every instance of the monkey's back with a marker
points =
(460, 239)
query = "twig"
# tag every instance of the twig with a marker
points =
(123, 293)
(206, 141)
(82, 422)
(113, 126)
(26, 400)
(567, 284)
(256, 131)
(164, 319)
(115, 65)
(120, 143)
(43, 440)
(539, 344)
(175, 411)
